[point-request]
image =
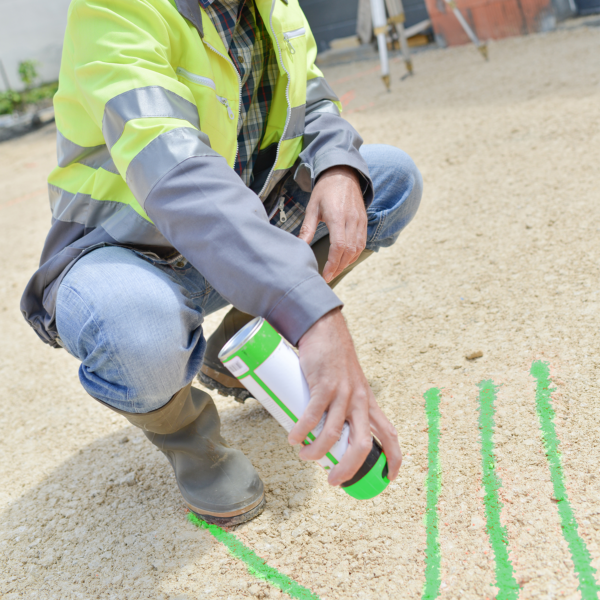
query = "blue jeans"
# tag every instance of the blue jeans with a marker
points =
(135, 321)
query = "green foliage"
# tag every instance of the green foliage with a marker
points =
(8, 102)
(28, 72)
(13, 101)
(43, 92)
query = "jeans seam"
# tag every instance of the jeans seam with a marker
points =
(375, 235)
(102, 339)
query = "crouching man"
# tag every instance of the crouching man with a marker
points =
(202, 162)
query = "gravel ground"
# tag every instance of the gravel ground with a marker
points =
(502, 259)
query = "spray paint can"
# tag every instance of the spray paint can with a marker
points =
(270, 370)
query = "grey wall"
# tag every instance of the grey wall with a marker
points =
(32, 29)
(331, 19)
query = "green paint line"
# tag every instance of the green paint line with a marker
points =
(579, 552)
(505, 579)
(256, 565)
(433, 559)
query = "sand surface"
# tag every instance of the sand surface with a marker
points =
(503, 257)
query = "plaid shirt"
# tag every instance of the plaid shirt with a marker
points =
(246, 38)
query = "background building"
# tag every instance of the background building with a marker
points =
(34, 29)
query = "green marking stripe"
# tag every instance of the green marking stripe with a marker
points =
(273, 397)
(505, 579)
(287, 411)
(579, 552)
(256, 565)
(433, 577)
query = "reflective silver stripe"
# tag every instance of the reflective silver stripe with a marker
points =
(163, 154)
(323, 106)
(118, 219)
(129, 227)
(80, 208)
(110, 167)
(69, 152)
(95, 157)
(318, 89)
(141, 103)
(295, 127)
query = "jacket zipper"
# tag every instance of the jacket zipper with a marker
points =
(282, 216)
(290, 35)
(287, 98)
(205, 81)
(196, 78)
(224, 101)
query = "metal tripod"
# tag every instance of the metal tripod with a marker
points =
(381, 25)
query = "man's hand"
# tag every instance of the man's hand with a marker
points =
(338, 385)
(337, 200)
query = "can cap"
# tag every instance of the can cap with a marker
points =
(371, 479)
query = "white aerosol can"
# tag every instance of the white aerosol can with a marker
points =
(270, 370)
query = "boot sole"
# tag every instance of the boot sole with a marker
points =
(236, 520)
(239, 394)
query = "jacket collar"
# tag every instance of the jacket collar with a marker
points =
(190, 9)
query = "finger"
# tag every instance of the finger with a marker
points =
(319, 403)
(331, 433)
(362, 233)
(351, 251)
(310, 223)
(388, 436)
(359, 447)
(353, 248)
(337, 236)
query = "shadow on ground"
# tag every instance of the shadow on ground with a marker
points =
(109, 521)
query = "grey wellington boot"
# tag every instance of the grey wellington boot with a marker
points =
(218, 483)
(213, 374)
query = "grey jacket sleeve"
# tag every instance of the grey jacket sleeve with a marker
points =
(329, 140)
(206, 212)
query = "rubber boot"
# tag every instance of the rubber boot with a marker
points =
(213, 374)
(218, 483)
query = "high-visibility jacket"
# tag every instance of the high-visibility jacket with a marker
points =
(147, 115)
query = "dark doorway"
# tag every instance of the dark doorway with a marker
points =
(332, 19)
(587, 7)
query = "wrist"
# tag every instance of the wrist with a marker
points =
(340, 170)
(324, 326)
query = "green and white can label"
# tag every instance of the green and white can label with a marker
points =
(269, 369)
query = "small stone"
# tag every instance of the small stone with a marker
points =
(286, 514)
(423, 350)
(297, 500)
(254, 589)
(128, 479)
(124, 440)
(474, 355)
